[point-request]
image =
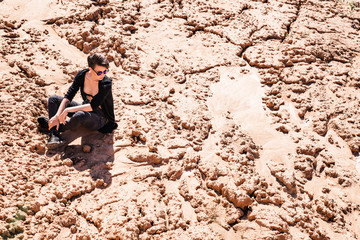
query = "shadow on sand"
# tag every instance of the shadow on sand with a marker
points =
(97, 159)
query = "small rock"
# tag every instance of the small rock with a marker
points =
(86, 148)
(40, 82)
(38, 147)
(68, 220)
(99, 183)
(58, 193)
(53, 198)
(26, 69)
(73, 229)
(11, 35)
(81, 163)
(9, 143)
(129, 27)
(68, 162)
(149, 158)
(35, 206)
(83, 236)
(41, 179)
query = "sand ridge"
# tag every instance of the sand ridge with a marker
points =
(237, 120)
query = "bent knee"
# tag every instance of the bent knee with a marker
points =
(54, 99)
(79, 115)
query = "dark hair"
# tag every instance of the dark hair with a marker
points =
(97, 59)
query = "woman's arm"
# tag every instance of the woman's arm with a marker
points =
(54, 121)
(85, 108)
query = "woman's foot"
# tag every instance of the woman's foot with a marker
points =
(43, 124)
(54, 141)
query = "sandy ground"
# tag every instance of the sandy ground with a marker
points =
(237, 120)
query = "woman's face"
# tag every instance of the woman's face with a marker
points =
(98, 72)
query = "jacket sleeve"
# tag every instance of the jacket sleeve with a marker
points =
(73, 88)
(101, 96)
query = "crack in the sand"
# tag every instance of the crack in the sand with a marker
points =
(205, 69)
(288, 27)
(88, 220)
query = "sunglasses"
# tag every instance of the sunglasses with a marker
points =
(100, 72)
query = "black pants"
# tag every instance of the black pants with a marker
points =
(93, 120)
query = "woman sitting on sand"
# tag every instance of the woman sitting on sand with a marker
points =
(95, 113)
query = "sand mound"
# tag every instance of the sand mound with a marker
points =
(236, 120)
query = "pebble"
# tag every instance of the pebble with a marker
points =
(86, 149)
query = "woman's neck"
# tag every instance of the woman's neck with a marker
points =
(88, 76)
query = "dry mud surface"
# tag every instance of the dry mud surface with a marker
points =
(237, 120)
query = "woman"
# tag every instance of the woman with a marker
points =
(95, 113)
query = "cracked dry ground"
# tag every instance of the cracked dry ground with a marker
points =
(237, 120)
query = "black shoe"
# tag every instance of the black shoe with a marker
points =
(54, 141)
(43, 124)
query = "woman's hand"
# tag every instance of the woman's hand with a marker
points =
(54, 121)
(63, 116)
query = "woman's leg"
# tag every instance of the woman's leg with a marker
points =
(54, 104)
(89, 120)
